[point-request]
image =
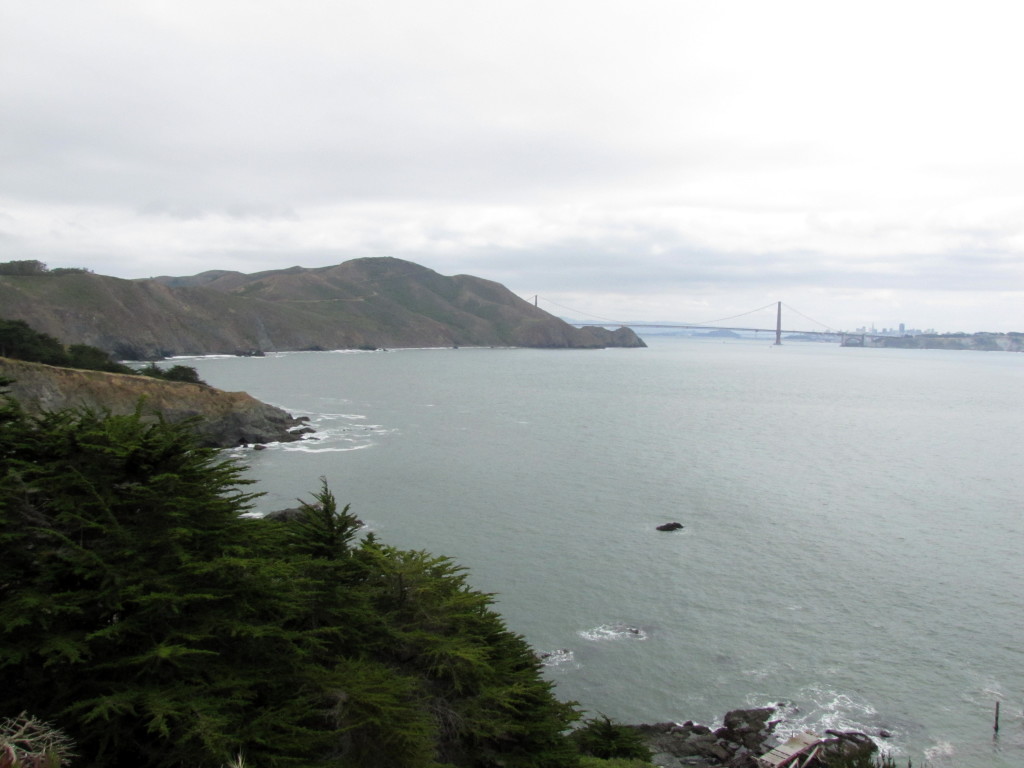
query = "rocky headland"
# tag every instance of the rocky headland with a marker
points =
(360, 304)
(226, 419)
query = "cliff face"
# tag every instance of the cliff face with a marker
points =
(379, 302)
(227, 418)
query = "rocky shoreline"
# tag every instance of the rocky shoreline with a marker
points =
(745, 735)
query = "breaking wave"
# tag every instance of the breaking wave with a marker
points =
(819, 709)
(557, 657)
(335, 433)
(617, 631)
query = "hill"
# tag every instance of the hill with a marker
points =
(363, 303)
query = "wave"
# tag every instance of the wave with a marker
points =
(940, 754)
(308, 446)
(557, 657)
(335, 433)
(616, 631)
(819, 709)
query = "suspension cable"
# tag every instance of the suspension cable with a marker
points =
(805, 317)
(702, 322)
(586, 314)
(733, 317)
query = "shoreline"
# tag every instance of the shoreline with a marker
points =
(744, 736)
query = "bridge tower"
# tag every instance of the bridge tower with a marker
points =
(778, 325)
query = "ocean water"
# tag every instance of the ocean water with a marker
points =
(853, 541)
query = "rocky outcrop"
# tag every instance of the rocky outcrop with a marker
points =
(745, 735)
(225, 418)
(360, 304)
(606, 337)
(738, 742)
(845, 745)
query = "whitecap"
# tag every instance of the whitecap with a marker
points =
(557, 657)
(323, 416)
(310, 447)
(617, 631)
(939, 752)
(822, 709)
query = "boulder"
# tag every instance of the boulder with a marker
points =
(735, 744)
(669, 526)
(747, 727)
(286, 515)
(848, 746)
(745, 735)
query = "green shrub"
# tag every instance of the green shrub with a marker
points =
(601, 737)
(615, 762)
(184, 373)
(93, 359)
(19, 341)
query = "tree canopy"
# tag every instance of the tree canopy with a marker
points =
(145, 617)
(19, 341)
(35, 267)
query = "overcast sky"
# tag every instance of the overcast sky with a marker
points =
(861, 161)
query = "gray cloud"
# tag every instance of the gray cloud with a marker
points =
(671, 154)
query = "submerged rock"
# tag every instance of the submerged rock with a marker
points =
(669, 526)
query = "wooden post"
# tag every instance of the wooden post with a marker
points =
(995, 728)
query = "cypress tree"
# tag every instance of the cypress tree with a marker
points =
(143, 615)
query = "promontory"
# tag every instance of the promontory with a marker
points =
(363, 303)
(222, 419)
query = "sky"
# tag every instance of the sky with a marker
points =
(862, 162)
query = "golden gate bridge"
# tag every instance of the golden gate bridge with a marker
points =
(778, 330)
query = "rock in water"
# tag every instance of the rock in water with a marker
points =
(669, 526)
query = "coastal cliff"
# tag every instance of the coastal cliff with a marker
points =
(226, 418)
(363, 303)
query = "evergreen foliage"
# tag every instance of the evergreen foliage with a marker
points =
(175, 373)
(19, 341)
(142, 615)
(24, 267)
(34, 267)
(93, 359)
(602, 737)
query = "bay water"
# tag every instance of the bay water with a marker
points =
(853, 540)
